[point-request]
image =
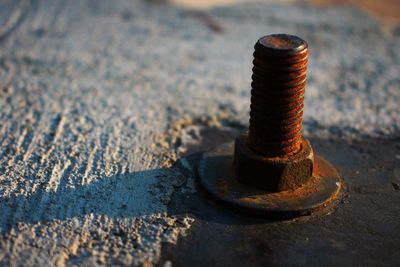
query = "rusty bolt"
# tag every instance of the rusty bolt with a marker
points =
(275, 170)
(274, 144)
(277, 95)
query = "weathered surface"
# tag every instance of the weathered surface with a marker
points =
(361, 231)
(99, 98)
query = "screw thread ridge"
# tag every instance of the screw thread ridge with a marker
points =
(277, 95)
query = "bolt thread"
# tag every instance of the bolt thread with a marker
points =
(277, 95)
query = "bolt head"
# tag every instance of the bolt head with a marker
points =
(273, 174)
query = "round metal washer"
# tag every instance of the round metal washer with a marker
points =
(217, 176)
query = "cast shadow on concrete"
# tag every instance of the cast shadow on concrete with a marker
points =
(141, 193)
(121, 196)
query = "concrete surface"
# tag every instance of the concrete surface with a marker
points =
(361, 230)
(100, 98)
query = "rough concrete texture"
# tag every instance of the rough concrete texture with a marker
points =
(99, 98)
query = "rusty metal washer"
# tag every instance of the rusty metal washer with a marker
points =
(217, 176)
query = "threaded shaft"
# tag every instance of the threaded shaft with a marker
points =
(277, 95)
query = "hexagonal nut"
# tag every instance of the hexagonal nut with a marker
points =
(273, 174)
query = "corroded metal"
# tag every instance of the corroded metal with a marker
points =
(272, 170)
(273, 174)
(218, 177)
(277, 95)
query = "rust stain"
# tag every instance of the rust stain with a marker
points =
(276, 107)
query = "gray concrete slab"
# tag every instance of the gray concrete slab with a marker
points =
(98, 99)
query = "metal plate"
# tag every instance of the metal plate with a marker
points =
(217, 177)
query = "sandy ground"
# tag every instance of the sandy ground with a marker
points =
(98, 99)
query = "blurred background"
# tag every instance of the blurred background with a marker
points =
(386, 10)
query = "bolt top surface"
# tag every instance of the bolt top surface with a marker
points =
(282, 43)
